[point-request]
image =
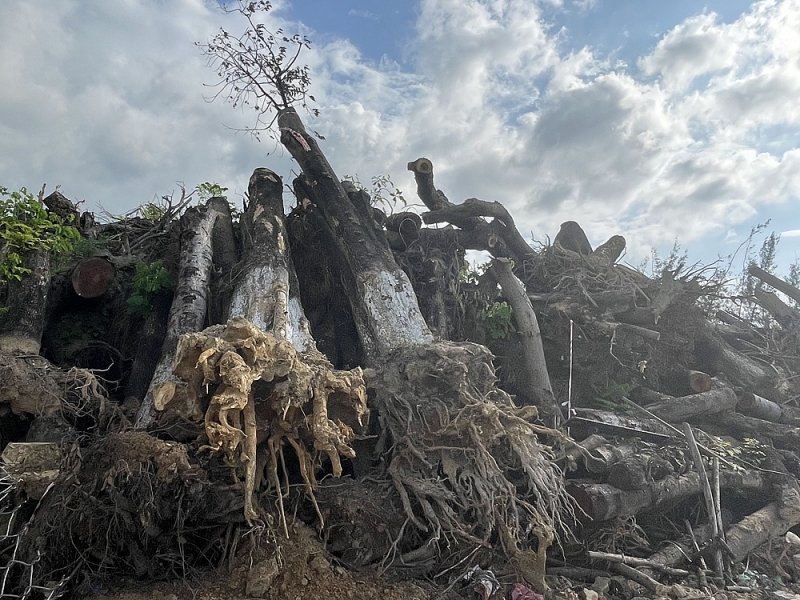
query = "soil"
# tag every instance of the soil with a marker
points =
(293, 569)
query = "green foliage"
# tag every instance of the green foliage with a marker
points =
(25, 226)
(206, 191)
(259, 70)
(87, 247)
(383, 193)
(471, 273)
(610, 396)
(497, 318)
(147, 282)
(673, 263)
(794, 278)
(749, 452)
(152, 211)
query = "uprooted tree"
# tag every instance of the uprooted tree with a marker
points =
(237, 358)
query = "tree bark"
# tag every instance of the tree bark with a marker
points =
(502, 225)
(187, 314)
(537, 383)
(715, 356)
(226, 256)
(775, 519)
(266, 291)
(783, 436)
(602, 501)
(384, 305)
(751, 405)
(594, 421)
(676, 410)
(22, 324)
(780, 311)
(151, 339)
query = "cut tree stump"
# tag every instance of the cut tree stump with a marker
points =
(92, 276)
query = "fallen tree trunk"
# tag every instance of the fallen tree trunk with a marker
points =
(266, 292)
(715, 356)
(783, 436)
(774, 520)
(677, 410)
(752, 405)
(601, 501)
(780, 311)
(383, 302)
(590, 420)
(778, 284)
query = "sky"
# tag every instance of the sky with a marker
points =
(659, 121)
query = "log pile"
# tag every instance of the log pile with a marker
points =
(557, 421)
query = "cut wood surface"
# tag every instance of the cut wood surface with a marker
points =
(698, 381)
(92, 276)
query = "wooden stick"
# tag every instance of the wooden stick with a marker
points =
(707, 493)
(635, 575)
(637, 562)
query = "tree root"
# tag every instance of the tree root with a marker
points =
(466, 462)
(258, 382)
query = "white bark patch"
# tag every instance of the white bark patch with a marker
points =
(281, 231)
(299, 328)
(262, 298)
(393, 310)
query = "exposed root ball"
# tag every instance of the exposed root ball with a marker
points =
(263, 390)
(466, 462)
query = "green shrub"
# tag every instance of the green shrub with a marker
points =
(147, 282)
(25, 226)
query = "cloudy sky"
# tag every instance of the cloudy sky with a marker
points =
(656, 120)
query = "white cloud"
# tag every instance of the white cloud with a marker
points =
(111, 107)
